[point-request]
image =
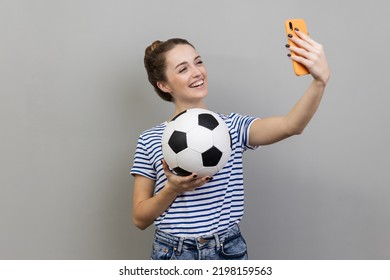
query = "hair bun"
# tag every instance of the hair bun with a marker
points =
(153, 46)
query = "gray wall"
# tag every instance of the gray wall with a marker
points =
(74, 98)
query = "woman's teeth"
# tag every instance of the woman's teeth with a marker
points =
(197, 84)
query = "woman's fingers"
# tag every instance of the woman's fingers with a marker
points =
(309, 53)
(184, 183)
(301, 45)
(305, 39)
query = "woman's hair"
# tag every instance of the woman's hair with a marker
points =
(154, 61)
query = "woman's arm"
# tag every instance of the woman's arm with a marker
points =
(270, 130)
(147, 207)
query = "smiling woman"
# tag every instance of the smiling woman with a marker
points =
(197, 217)
(154, 61)
(178, 74)
(186, 78)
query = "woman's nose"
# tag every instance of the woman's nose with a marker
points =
(196, 72)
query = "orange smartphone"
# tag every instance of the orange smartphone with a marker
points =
(290, 25)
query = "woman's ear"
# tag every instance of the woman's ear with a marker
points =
(164, 87)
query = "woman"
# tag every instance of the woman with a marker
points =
(197, 218)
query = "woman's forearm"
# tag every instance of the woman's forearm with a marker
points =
(305, 108)
(146, 211)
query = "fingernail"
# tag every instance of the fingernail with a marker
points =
(287, 45)
(296, 29)
(289, 35)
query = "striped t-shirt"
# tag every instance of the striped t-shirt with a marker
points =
(213, 207)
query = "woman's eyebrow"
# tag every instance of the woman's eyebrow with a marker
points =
(185, 62)
(180, 64)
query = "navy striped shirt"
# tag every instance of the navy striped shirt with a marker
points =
(214, 207)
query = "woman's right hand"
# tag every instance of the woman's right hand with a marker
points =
(180, 184)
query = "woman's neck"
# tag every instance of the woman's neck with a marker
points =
(182, 107)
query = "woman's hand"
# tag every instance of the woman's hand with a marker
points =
(180, 184)
(311, 54)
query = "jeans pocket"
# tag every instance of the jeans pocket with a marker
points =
(162, 251)
(234, 248)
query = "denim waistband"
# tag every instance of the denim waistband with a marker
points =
(209, 240)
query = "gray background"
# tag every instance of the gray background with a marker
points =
(74, 97)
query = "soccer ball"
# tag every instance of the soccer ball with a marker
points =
(196, 140)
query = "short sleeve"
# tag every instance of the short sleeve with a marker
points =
(142, 164)
(241, 124)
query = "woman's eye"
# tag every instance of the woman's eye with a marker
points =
(199, 62)
(182, 69)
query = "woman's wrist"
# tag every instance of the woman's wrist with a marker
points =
(321, 82)
(170, 190)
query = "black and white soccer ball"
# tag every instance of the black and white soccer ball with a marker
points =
(196, 140)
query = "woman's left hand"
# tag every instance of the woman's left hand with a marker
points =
(311, 54)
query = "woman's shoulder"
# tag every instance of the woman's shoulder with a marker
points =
(231, 116)
(158, 129)
(236, 119)
(226, 116)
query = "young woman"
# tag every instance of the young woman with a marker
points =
(197, 218)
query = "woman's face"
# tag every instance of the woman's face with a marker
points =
(186, 75)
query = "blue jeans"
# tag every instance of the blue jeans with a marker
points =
(229, 245)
